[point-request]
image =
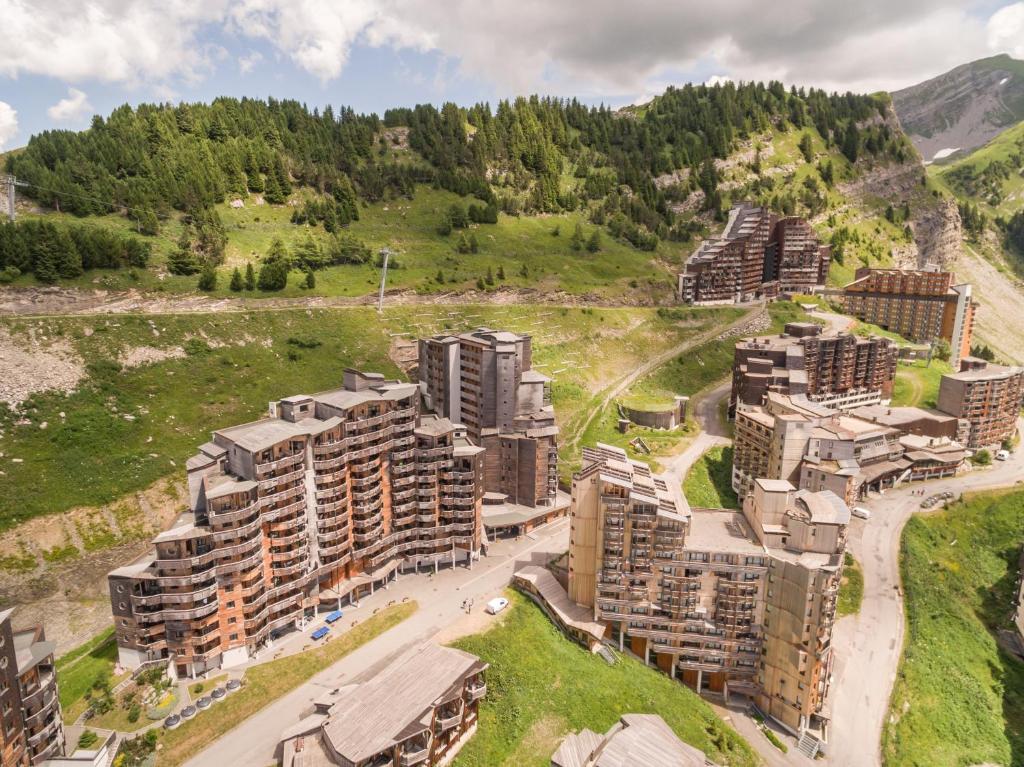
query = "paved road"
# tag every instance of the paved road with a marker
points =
(868, 645)
(713, 433)
(440, 598)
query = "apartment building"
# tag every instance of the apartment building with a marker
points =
(31, 730)
(485, 380)
(921, 305)
(987, 397)
(757, 255)
(730, 602)
(815, 448)
(328, 496)
(839, 371)
(636, 739)
(795, 257)
(420, 710)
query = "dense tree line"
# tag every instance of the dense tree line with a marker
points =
(53, 251)
(156, 159)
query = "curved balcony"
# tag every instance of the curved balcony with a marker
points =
(285, 512)
(242, 531)
(329, 478)
(475, 691)
(366, 495)
(234, 515)
(362, 508)
(178, 614)
(242, 563)
(285, 496)
(329, 449)
(282, 479)
(402, 454)
(334, 549)
(364, 538)
(280, 463)
(330, 463)
(371, 480)
(173, 598)
(290, 538)
(298, 566)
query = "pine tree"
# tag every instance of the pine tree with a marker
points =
(489, 279)
(480, 284)
(576, 241)
(463, 245)
(594, 243)
(806, 147)
(501, 272)
(310, 280)
(474, 246)
(250, 277)
(182, 260)
(236, 281)
(208, 278)
(440, 277)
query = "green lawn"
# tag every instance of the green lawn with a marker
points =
(230, 365)
(959, 699)
(851, 590)
(79, 669)
(708, 484)
(917, 383)
(266, 683)
(541, 686)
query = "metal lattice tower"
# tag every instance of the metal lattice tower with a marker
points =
(9, 183)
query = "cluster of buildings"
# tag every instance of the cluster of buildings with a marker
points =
(31, 730)
(335, 493)
(739, 603)
(759, 255)
(839, 370)
(868, 448)
(920, 305)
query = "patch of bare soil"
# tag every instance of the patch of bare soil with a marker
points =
(66, 590)
(36, 364)
(146, 355)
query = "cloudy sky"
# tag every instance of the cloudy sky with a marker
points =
(62, 61)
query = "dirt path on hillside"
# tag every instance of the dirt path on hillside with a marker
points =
(61, 302)
(751, 316)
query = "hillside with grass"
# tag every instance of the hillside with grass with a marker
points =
(540, 194)
(541, 687)
(957, 698)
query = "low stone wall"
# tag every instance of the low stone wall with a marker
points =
(669, 418)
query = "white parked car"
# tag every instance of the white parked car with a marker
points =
(860, 511)
(496, 605)
(1003, 455)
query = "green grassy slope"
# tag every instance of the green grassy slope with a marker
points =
(124, 428)
(959, 699)
(541, 687)
(1004, 195)
(523, 246)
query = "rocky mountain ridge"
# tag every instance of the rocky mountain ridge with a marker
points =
(960, 110)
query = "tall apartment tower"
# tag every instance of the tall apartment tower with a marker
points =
(921, 305)
(987, 397)
(795, 257)
(484, 379)
(838, 371)
(758, 255)
(329, 495)
(729, 602)
(31, 730)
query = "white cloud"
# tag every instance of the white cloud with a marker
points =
(1006, 30)
(718, 80)
(8, 123)
(517, 45)
(74, 107)
(248, 62)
